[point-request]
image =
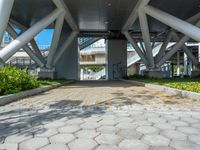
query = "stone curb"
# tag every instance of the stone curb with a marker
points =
(14, 97)
(181, 93)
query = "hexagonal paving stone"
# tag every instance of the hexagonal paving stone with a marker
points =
(142, 123)
(152, 115)
(84, 144)
(184, 145)
(133, 145)
(62, 138)
(179, 123)
(17, 138)
(147, 129)
(69, 129)
(75, 121)
(195, 139)
(107, 129)
(174, 135)
(157, 120)
(156, 140)
(164, 126)
(88, 134)
(170, 117)
(45, 133)
(130, 134)
(107, 147)
(8, 146)
(55, 147)
(126, 126)
(90, 125)
(31, 144)
(54, 124)
(196, 125)
(160, 148)
(190, 120)
(188, 130)
(109, 122)
(92, 119)
(108, 139)
(124, 119)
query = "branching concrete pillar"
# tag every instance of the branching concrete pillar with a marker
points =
(56, 37)
(14, 35)
(23, 39)
(176, 23)
(5, 10)
(146, 38)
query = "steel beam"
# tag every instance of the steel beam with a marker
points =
(14, 35)
(187, 50)
(88, 43)
(68, 17)
(55, 41)
(175, 49)
(163, 47)
(176, 23)
(23, 39)
(32, 42)
(5, 11)
(137, 49)
(64, 47)
(146, 37)
(134, 15)
(37, 50)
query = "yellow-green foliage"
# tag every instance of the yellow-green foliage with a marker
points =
(13, 80)
(185, 83)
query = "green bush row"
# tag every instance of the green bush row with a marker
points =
(13, 80)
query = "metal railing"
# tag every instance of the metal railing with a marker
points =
(22, 62)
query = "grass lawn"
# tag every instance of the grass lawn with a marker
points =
(185, 83)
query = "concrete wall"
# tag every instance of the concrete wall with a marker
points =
(116, 58)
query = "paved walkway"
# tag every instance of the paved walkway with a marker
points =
(101, 116)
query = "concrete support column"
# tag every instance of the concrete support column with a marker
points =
(68, 65)
(5, 10)
(185, 64)
(178, 64)
(116, 59)
(191, 68)
(199, 53)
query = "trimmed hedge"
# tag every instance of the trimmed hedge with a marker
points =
(13, 80)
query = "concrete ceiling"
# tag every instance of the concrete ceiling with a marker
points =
(102, 15)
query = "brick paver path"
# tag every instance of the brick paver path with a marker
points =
(101, 116)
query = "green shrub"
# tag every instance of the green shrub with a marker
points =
(13, 80)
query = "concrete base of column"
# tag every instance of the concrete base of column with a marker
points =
(47, 74)
(154, 74)
(195, 73)
(133, 69)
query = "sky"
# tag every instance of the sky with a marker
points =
(45, 37)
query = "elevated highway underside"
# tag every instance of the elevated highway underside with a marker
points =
(135, 21)
(104, 17)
